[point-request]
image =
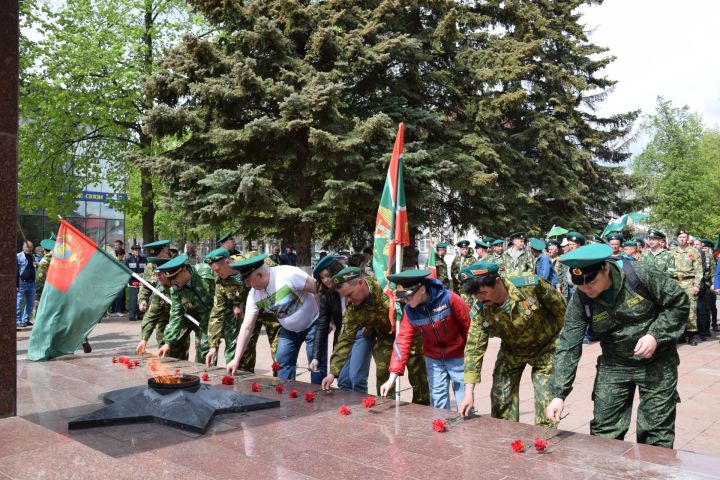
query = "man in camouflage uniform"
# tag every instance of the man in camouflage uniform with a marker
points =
(228, 311)
(157, 311)
(656, 256)
(561, 280)
(227, 241)
(42, 268)
(461, 260)
(497, 252)
(615, 241)
(517, 260)
(688, 272)
(526, 313)
(481, 250)
(367, 308)
(638, 324)
(193, 288)
(440, 266)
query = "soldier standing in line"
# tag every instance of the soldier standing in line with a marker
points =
(710, 294)
(461, 260)
(481, 249)
(440, 265)
(367, 308)
(638, 321)
(639, 247)
(497, 252)
(630, 251)
(42, 268)
(615, 240)
(156, 310)
(526, 313)
(656, 256)
(227, 242)
(559, 269)
(516, 259)
(688, 272)
(543, 266)
(706, 293)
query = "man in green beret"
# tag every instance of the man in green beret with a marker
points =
(516, 259)
(497, 252)
(441, 267)
(542, 261)
(159, 249)
(640, 247)
(481, 250)
(192, 291)
(461, 260)
(368, 308)
(526, 313)
(228, 309)
(656, 256)
(614, 240)
(227, 242)
(688, 272)
(638, 313)
(42, 268)
(158, 314)
(629, 250)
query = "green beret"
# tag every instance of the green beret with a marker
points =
(224, 237)
(478, 269)
(173, 266)
(656, 234)
(408, 282)
(47, 244)
(215, 255)
(585, 262)
(249, 265)
(463, 243)
(537, 244)
(615, 236)
(346, 274)
(158, 261)
(155, 247)
(575, 237)
(324, 263)
(630, 243)
(481, 244)
(497, 242)
(441, 245)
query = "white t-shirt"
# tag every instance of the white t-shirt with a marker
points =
(284, 297)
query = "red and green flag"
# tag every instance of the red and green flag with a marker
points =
(432, 261)
(81, 283)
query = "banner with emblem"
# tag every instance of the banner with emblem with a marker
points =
(432, 261)
(81, 283)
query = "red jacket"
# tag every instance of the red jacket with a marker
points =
(443, 322)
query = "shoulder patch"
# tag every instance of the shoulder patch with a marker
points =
(523, 280)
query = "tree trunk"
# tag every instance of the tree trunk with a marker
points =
(146, 189)
(303, 231)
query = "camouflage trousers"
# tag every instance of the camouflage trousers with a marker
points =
(181, 348)
(687, 285)
(155, 319)
(505, 392)
(613, 397)
(247, 361)
(417, 374)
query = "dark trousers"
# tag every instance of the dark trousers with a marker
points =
(118, 305)
(713, 308)
(703, 313)
(133, 313)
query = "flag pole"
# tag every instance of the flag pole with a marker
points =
(161, 295)
(398, 269)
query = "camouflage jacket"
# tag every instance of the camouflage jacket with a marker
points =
(457, 264)
(561, 274)
(663, 261)
(621, 323)
(688, 265)
(525, 263)
(229, 292)
(708, 269)
(372, 315)
(442, 272)
(145, 293)
(41, 275)
(195, 298)
(494, 258)
(528, 322)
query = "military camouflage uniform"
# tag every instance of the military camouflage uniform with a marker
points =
(196, 299)
(442, 272)
(619, 325)
(688, 272)
(525, 263)
(157, 314)
(528, 324)
(41, 275)
(663, 260)
(494, 258)
(373, 316)
(561, 272)
(457, 264)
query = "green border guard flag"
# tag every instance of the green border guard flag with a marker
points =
(81, 283)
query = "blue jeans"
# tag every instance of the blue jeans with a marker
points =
(288, 349)
(354, 374)
(441, 374)
(27, 291)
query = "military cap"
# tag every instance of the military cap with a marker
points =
(441, 245)
(463, 243)
(614, 236)
(158, 261)
(554, 242)
(681, 231)
(477, 269)
(489, 240)
(704, 241)
(656, 234)
(224, 237)
(575, 237)
(497, 242)
(407, 283)
(155, 247)
(173, 266)
(481, 244)
(215, 255)
(323, 263)
(639, 241)
(47, 244)
(537, 244)
(598, 239)
(630, 243)
(585, 262)
(249, 265)
(346, 274)
(515, 235)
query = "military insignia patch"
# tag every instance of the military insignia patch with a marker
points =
(577, 272)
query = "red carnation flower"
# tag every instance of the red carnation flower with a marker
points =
(439, 425)
(369, 402)
(136, 363)
(114, 360)
(279, 388)
(518, 446)
(129, 366)
(122, 359)
(293, 394)
(275, 366)
(177, 372)
(204, 377)
(344, 410)
(255, 388)
(540, 444)
(228, 380)
(309, 396)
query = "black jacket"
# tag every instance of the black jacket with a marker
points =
(330, 311)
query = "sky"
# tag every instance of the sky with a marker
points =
(663, 47)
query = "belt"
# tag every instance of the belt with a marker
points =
(682, 276)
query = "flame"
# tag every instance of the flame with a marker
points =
(163, 374)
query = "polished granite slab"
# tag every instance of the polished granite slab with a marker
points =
(299, 439)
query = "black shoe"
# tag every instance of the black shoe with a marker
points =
(715, 328)
(691, 340)
(87, 348)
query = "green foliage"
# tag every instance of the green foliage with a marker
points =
(679, 171)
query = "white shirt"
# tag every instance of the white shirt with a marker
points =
(284, 297)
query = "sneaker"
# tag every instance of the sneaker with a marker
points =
(118, 314)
